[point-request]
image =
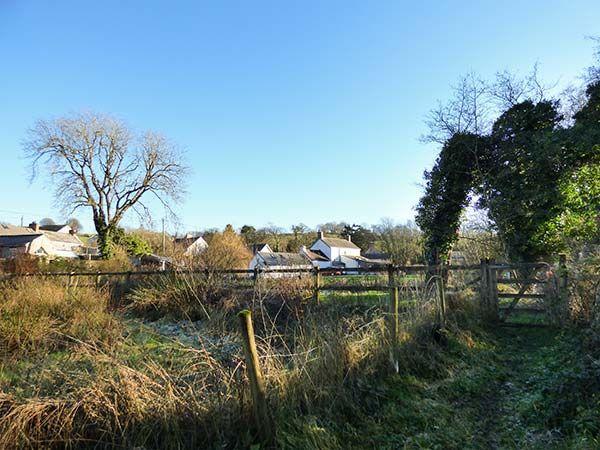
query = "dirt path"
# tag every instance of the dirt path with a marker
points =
(504, 388)
(518, 358)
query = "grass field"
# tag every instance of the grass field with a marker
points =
(86, 375)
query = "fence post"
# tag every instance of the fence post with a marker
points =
(257, 385)
(442, 296)
(393, 317)
(484, 287)
(317, 295)
(128, 280)
(563, 280)
(97, 280)
(493, 287)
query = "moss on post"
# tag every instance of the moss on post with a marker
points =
(262, 417)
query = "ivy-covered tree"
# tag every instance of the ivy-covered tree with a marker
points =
(533, 176)
(448, 191)
(520, 189)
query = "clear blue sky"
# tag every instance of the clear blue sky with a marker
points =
(290, 111)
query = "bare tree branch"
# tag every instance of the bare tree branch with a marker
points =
(96, 161)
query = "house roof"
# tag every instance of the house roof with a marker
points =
(189, 239)
(261, 247)
(283, 259)
(376, 254)
(53, 227)
(315, 255)
(17, 240)
(11, 230)
(66, 238)
(339, 243)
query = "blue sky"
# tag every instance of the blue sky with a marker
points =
(289, 111)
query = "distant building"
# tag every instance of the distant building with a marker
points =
(266, 261)
(337, 253)
(377, 255)
(317, 258)
(33, 240)
(340, 253)
(65, 229)
(193, 245)
(260, 248)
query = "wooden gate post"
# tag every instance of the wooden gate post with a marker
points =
(257, 385)
(393, 322)
(563, 278)
(317, 287)
(493, 294)
(442, 298)
(484, 290)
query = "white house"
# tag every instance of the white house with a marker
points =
(317, 259)
(65, 228)
(270, 260)
(340, 253)
(194, 245)
(32, 240)
(260, 248)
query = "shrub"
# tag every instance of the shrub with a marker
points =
(134, 244)
(584, 286)
(227, 250)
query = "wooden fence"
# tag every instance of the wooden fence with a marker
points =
(489, 275)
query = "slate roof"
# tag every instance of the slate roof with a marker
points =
(339, 243)
(53, 227)
(66, 238)
(261, 247)
(17, 240)
(376, 254)
(11, 230)
(315, 255)
(284, 259)
(189, 239)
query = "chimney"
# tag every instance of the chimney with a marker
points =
(349, 238)
(320, 235)
(34, 226)
(72, 231)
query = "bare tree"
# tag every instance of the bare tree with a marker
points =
(475, 103)
(275, 235)
(75, 224)
(467, 111)
(508, 89)
(401, 242)
(96, 161)
(593, 72)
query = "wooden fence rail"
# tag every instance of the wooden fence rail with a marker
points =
(489, 276)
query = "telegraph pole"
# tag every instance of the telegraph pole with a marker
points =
(164, 237)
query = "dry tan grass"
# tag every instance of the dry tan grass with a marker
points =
(120, 393)
(42, 314)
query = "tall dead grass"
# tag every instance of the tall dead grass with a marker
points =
(320, 361)
(43, 315)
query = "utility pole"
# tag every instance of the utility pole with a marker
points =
(164, 238)
(21, 221)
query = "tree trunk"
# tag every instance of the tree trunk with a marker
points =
(105, 239)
